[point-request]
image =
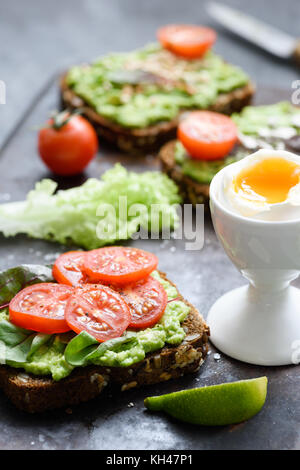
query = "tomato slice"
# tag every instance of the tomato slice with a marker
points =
(67, 268)
(207, 135)
(118, 264)
(98, 310)
(41, 308)
(147, 300)
(187, 41)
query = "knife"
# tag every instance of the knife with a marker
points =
(261, 34)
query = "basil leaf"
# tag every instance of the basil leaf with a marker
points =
(15, 279)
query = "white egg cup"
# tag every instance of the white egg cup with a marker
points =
(258, 323)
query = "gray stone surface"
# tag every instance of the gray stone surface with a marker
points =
(37, 38)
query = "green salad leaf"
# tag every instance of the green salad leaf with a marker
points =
(79, 348)
(97, 213)
(39, 340)
(17, 344)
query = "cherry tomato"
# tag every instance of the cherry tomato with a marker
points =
(119, 265)
(98, 310)
(41, 308)
(187, 41)
(67, 147)
(67, 268)
(147, 300)
(207, 135)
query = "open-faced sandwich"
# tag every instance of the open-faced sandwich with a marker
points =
(209, 141)
(135, 99)
(106, 315)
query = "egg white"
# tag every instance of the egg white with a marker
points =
(251, 204)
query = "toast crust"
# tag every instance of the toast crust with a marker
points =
(151, 137)
(37, 394)
(190, 190)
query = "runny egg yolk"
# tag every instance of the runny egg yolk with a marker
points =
(269, 180)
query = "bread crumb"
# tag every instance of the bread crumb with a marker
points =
(128, 386)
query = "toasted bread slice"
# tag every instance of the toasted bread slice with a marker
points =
(152, 137)
(36, 393)
(191, 190)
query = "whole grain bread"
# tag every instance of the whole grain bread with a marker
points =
(190, 190)
(37, 393)
(152, 137)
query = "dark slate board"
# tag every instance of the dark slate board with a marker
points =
(203, 276)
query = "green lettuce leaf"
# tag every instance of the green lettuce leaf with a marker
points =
(90, 215)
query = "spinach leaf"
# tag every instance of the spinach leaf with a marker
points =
(17, 355)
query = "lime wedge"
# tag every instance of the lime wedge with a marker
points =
(215, 405)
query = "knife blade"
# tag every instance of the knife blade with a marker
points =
(253, 30)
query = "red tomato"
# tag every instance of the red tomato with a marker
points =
(98, 310)
(41, 308)
(68, 148)
(147, 300)
(187, 41)
(207, 135)
(118, 264)
(67, 268)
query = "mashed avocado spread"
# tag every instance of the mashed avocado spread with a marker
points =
(269, 126)
(48, 354)
(151, 85)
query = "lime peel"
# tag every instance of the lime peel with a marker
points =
(215, 405)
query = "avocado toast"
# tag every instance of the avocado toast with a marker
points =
(274, 126)
(46, 371)
(135, 99)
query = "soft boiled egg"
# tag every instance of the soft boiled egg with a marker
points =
(264, 185)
